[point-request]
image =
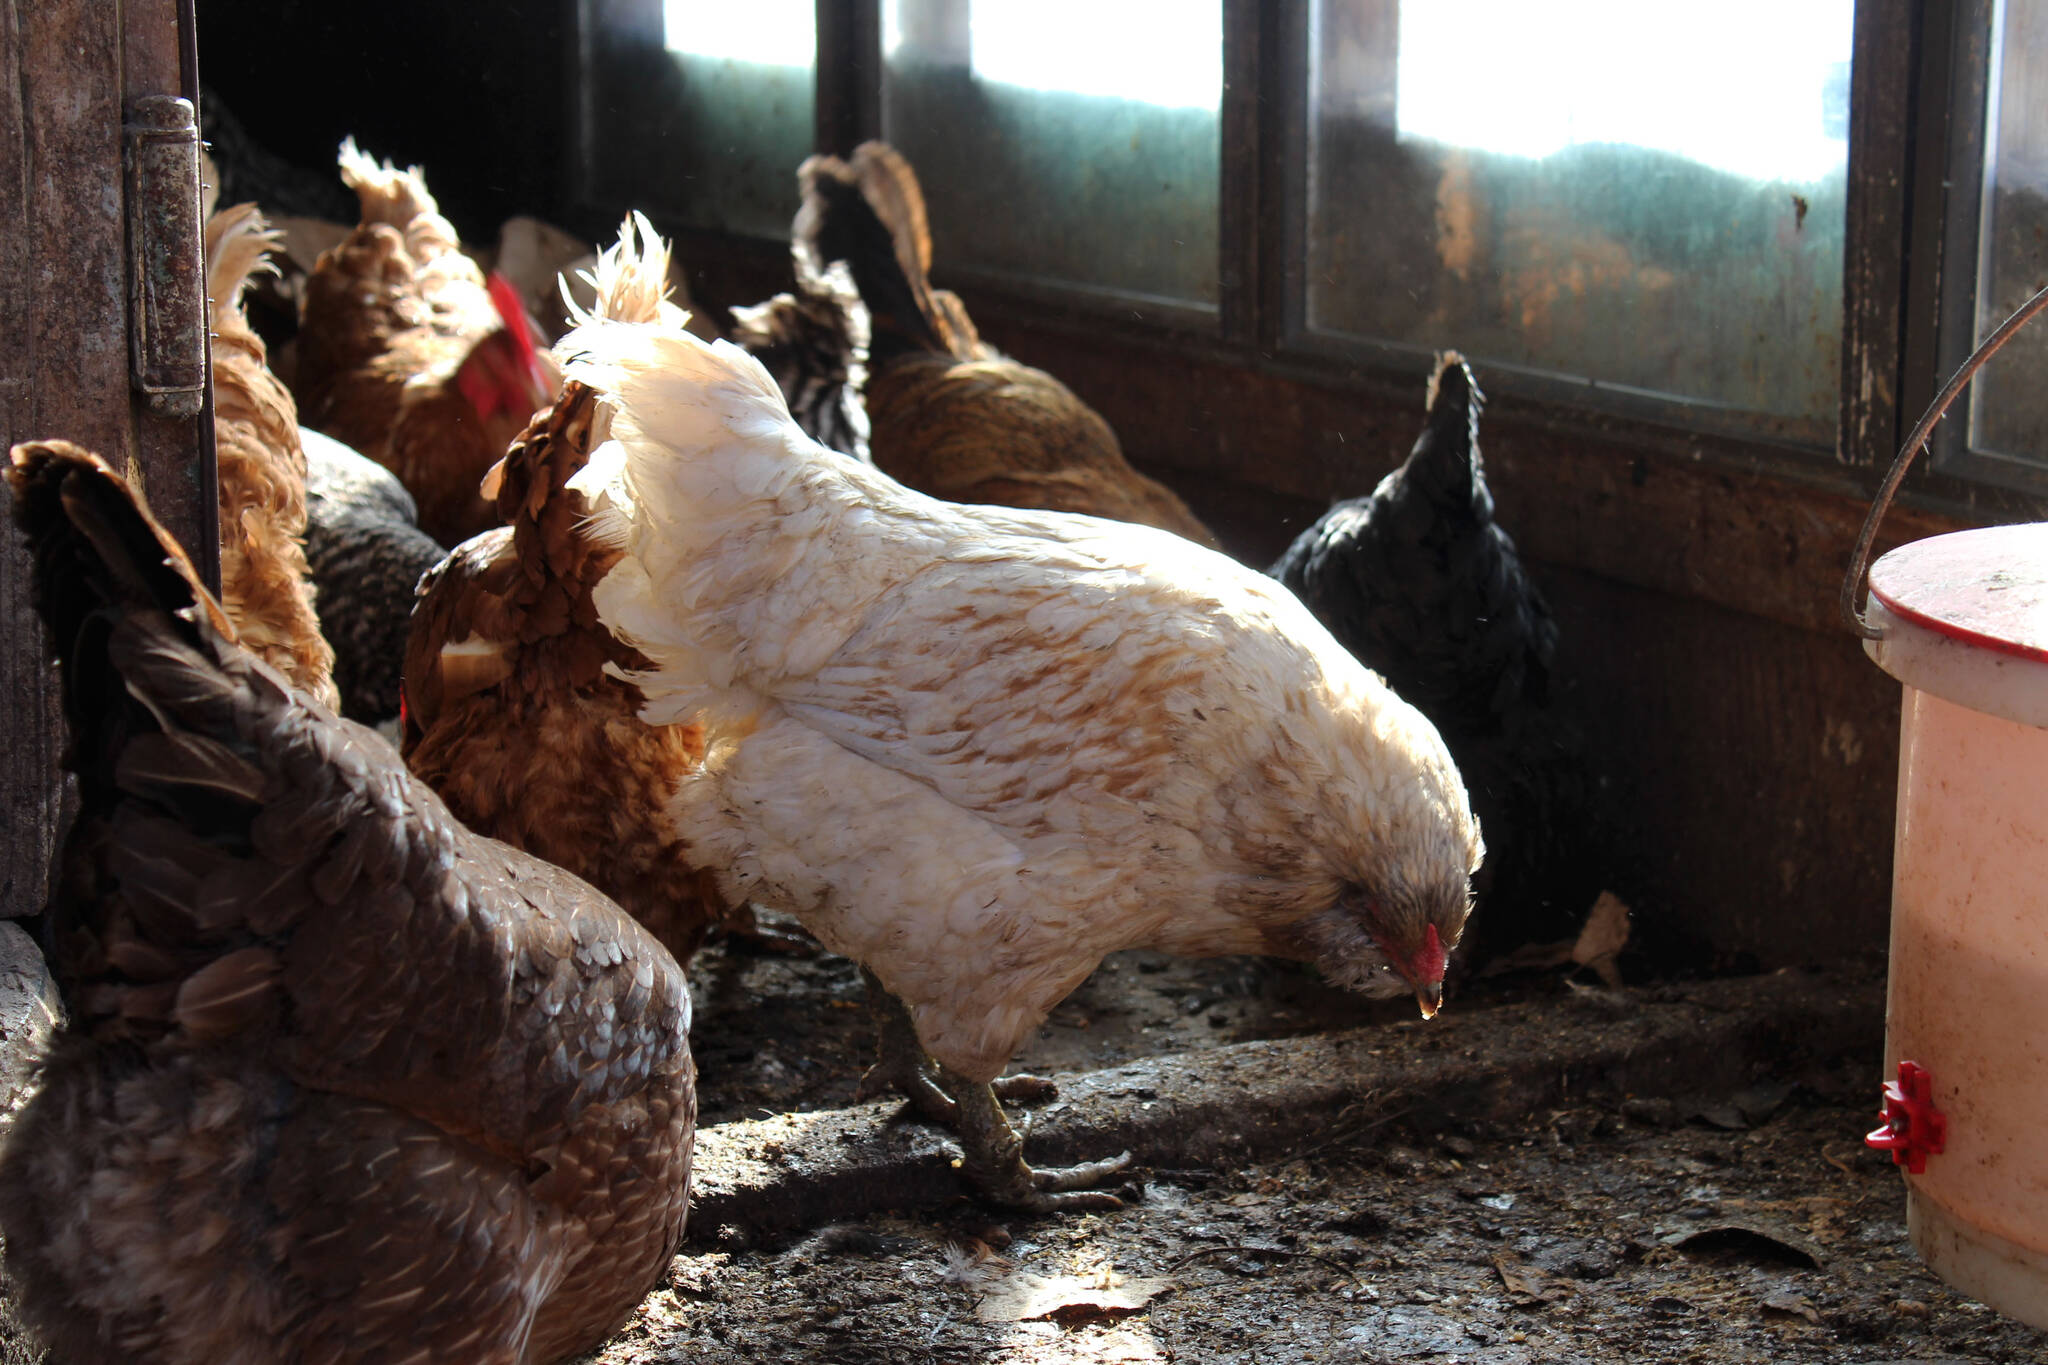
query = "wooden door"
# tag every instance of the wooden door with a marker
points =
(76, 167)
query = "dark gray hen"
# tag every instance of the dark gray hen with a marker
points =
(367, 553)
(340, 1080)
(814, 342)
(1420, 583)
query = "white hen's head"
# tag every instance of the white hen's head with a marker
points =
(1405, 849)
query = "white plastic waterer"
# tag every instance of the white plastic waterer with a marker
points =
(1962, 621)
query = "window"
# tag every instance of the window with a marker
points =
(1072, 141)
(1998, 236)
(1643, 198)
(697, 109)
(1641, 215)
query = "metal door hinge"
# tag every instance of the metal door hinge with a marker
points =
(166, 265)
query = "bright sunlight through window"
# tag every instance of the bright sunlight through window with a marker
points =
(1160, 52)
(763, 32)
(1756, 88)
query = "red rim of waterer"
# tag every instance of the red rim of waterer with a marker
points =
(1986, 588)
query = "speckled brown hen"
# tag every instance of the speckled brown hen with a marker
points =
(403, 356)
(949, 414)
(509, 711)
(341, 1081)
(265, 584)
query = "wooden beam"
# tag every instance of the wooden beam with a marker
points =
(1877, 211)
(1283, 78)
(847, 103)
(1240, 167)
(69, 71)
(63, 356)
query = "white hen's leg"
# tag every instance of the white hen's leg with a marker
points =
(901, 1063)
(903, 1066)
(995, 1158)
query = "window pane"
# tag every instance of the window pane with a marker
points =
(699, 108)
(2008, 404)
(1648, 196)
(1069, 140)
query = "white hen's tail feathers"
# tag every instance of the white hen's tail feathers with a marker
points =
(698, 485)
(631, 279)
(688, 396)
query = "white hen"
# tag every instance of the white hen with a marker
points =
(977, 749)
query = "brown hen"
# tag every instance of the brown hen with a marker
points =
(510, 713)
(949, 414)
(265, 583)
(404, 356)
(341, 1080)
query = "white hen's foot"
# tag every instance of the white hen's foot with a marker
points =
(995, 1158)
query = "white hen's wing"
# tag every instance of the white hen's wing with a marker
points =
(949, 911)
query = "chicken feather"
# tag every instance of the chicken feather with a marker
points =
(265, 583)
(1422, 583)
(509, 713)
(340, 1079)
(949, 414)
(395, 317)
(976, 748)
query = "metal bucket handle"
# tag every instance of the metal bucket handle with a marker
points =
(1859, 562)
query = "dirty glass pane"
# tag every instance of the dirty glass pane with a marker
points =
(2008, 402)
(1645, 196)
(1072, 141)
(699, 109)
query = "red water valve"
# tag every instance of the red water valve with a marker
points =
(1913, 1128)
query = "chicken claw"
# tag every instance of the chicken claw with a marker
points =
(993, 1150)
(994, 1158)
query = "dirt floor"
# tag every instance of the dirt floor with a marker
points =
(1747, 1226)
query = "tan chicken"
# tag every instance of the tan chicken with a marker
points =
(511, 712)
(405, 355)
(949, 414)
(978, 749)
(341, 1081)
(265, 584)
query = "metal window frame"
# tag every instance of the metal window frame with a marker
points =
(1948, 297)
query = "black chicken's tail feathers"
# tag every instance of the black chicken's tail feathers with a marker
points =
(1445, 461)
(869, 212)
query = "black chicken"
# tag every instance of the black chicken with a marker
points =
(367, 553)
(815, 343)
(1421, 585)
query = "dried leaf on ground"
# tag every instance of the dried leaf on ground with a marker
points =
(1602, 938)
(1025, 1297)
(1752, 1241)
(1791, 1306)
(1528, 1287)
